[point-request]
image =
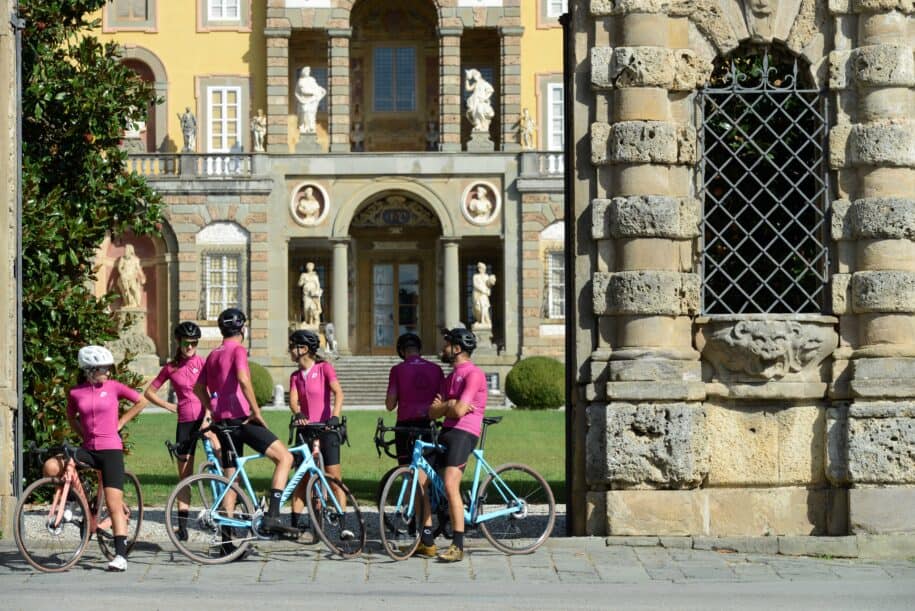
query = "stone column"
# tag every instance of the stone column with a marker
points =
(340, 306)
(873, 151)
(452, 282)
(278, 85)
(338, 88)
(646, 423)
(510, 86)
(450, 82)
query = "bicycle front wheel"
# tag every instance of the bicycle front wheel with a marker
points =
(399, 514)
(133, 510)
(50, 540)
(516, 486)
(342, 533)
(194, 523)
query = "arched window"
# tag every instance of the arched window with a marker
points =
(764, 186)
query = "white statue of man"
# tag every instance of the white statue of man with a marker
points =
(479, 109)
(479, 206)
(482, 289)
(309, 208)
(259, 130)
(130, 278)
(311, 295)
(309, 94)
(189, 130)
(526, 129)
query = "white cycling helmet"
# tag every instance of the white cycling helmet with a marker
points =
(94, 356)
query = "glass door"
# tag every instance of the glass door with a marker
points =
(395, 303)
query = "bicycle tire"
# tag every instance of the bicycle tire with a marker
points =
(50, 550)
(206, 541)
(384, 480)
(397, 523)
(329, 525)
(525, 531)
(133, 507)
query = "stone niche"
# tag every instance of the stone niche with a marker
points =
(759, 356)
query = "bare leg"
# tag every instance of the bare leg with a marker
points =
(455, 503)
(336, 471)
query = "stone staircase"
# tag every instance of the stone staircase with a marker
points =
(364, 378)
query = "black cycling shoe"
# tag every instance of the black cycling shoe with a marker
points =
(274, 524)
(181, 533)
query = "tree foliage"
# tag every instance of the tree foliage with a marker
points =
(76, 98)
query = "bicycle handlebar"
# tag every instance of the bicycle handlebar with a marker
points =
(382, 444)
(317, 428)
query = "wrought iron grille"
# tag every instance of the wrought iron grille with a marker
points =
(764, 187)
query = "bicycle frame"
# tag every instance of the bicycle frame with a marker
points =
(72, 480)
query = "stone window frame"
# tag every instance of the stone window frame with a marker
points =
(545, 83)
(110, 22)
(242, 24)
(202, 87)
(239, 251)
(546, 21)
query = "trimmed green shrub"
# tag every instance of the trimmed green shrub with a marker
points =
(262, 382)
(537, 382)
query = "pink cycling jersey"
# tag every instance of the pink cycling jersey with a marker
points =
(98, 409)
(466, 383)
(220, 376)
(313, 388)
(183, 377)
(415, 382)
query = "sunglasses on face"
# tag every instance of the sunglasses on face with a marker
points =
(97, 370)
(188, 343)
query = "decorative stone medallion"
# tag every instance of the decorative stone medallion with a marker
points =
(481, 203)
(309, 204)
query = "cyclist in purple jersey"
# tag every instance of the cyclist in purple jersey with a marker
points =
(227, 379)
(182, 372)
(93, 411)
(462, 402)
(412, 386)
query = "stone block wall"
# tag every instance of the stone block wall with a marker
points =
(753, 424)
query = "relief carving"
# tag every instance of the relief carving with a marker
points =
(764, 350)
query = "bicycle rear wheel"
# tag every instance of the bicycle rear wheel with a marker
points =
(133, 509)
(398, 518)
(342, 533)
(45, 544)
(520, 487)
(204, 539)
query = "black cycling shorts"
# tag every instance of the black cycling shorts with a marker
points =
(109, 462)
(183, 433)
(458, 446)
(404, 441)
(259, 438)
(330, 445)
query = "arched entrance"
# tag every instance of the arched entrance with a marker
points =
(396, 246)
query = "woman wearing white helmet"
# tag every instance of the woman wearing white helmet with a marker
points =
(93, 411)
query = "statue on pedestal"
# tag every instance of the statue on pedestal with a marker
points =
(526, 130)
(259, 130)
(188, 130)
(309, 94)
(130, 278)
(357, 137)
(482, 289)
(479, 109)
(311, 296)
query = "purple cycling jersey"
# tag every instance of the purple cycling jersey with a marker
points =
(183, 377)
(220, 376)
(313, 388)
(466, 383)
(97, 406)
(414, 383)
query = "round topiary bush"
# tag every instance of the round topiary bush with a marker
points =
(262, 382)
(537, 382)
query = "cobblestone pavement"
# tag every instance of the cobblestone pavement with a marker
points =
(564, 573)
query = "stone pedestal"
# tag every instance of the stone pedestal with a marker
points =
(479, 141)
(484, 337)
(134, 340)
(308, 143)
(188, 165)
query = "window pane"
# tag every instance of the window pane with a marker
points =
(556, 285)
(555, 122)
(405, 73)
(383, 75)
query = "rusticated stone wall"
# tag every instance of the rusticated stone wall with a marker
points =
(755, 424)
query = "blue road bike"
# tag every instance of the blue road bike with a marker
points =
(513, 506)
(222, 519)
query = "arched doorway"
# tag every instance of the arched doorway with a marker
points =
(396, 244)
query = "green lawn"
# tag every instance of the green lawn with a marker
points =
(535, 438)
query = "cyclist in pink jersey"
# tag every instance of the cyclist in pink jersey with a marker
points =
(224, 388)
(310, 388)
(412, 386)
(93, 411)
(462, 402)
(182, 372)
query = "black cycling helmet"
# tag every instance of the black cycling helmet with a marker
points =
(187, 329)
(462, 337)
(306, 338)
(231, 321)
(408, 340)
